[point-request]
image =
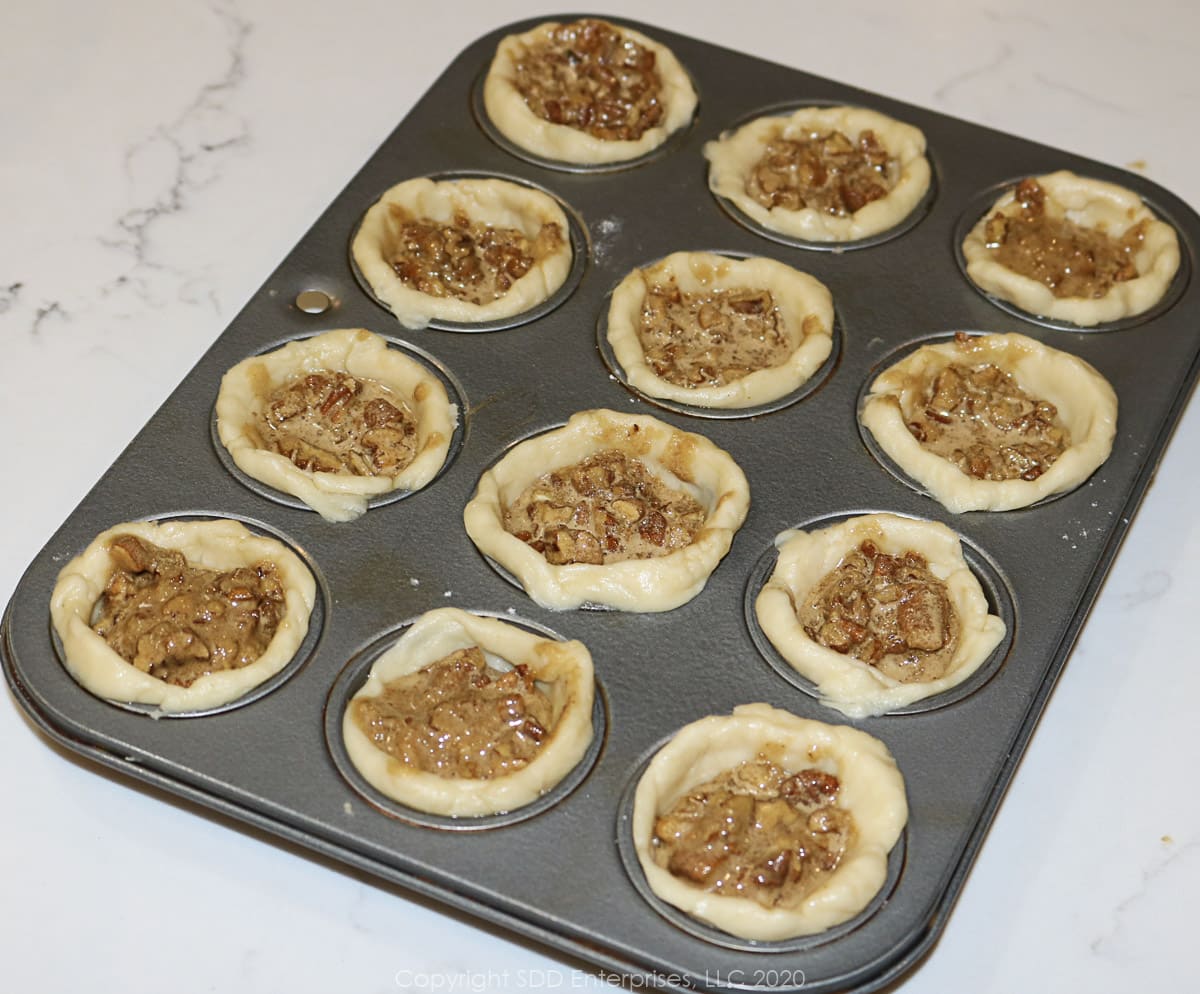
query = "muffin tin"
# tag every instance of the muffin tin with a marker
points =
(557, 874)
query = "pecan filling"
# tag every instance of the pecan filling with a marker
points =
(605, 509)
(590, 77)
(474, 262)
(890, 612)
(178, 622)
(714, 338)
(331, 422)
(978, 418)
(1071, 260)
(827, 173)
(757, 831)
(459, 717)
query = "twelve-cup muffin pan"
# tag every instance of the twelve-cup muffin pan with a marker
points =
(561, 873)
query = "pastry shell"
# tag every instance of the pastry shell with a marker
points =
(1089, 203)
(513, 118)
(684, 461)
(220, 544)
(1087, 407)
(804, 303)
(871, 789)
(335, 496)
(735, 153)
(845, 683)
(494, 202)
(563, 668)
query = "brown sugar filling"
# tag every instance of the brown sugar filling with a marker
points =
(459, 717)
(465, 259)
(605, 509)
(591, 77)
(1073, 261)
(829, 173)
(178, 622)
(980, 419)
(714, 338)
(332, 422)
(757, 831)
(890, 612)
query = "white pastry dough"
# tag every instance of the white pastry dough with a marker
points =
(1093, 204)
(493, 202)
(1087, 408)
(511, 115)
(564, 671)
(871, 789)
(218, 544)
(335, 496)
(805, 307)
(847, 684)
(735, 153)
(684, 461)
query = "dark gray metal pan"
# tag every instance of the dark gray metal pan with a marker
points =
(558, 877)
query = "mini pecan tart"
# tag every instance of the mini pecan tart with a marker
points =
(822, 174)
(878, 611)
(467, 716)
(588, 92)
(462, 250)
(336, 420)
(992, 422)
(611, 509)
(185, 615)
(1072, 249)
(716, 332)
(766, 825)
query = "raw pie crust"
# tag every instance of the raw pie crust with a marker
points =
(219, 544)
(804, 303)
(1089, 203)
(563, 668)
(520, 125)
(871, 789)
(493, 202)
(335, 496)
(1087, 408)
(735, 153)
(845, 683)
(685, 462)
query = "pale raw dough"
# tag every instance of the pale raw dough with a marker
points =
(493, 202)
(1087, 408)
(848, 684)
(871, 789)
(512, 117)
(797, 296)
(219, 544)
(735, 153)
(335, 496)
(1089, 203)
(564, 671)
(684, 461)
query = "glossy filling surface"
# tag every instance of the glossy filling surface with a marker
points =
(756, 831)
(332, 422)
(980, 419)
(604, 509)
(712, 338)
(178, 622)
(465, 259)
(591, 77)
(890, 612)
(829, 172)
(1073, 261)
(459, 717)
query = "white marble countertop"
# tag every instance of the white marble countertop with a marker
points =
(158, 160)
